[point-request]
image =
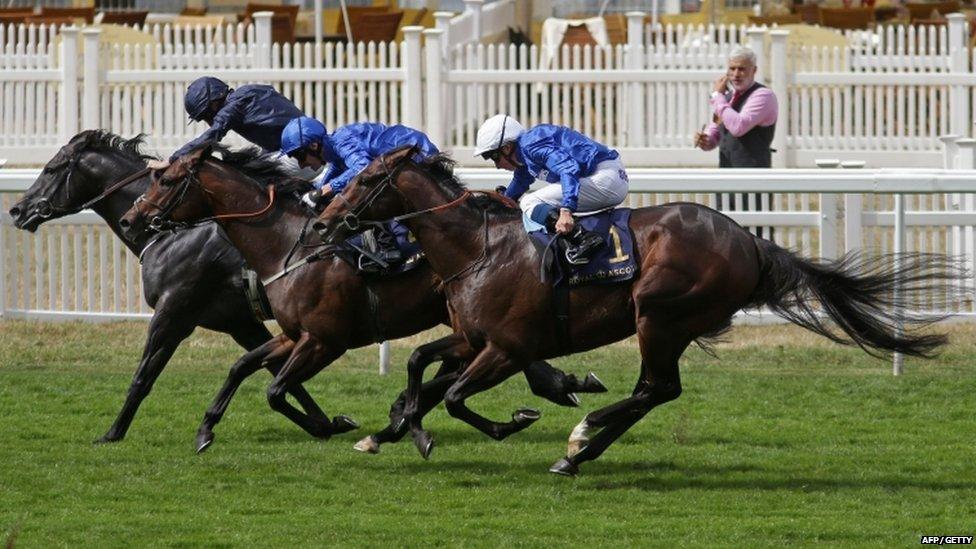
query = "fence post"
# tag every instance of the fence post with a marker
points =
(967, 154)
(261, 54)
(442, 22)
(959, 62)
(435, 103)
(635, 62)
(757, 42)
(950, 151)
(782, 157)
(68, 98)
(475, 7)
(91, 117)
(384, 358)
(413, 108)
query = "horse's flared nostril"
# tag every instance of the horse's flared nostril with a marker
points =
(15, 212)
(124, 223)
(318, 227)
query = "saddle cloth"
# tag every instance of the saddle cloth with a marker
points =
(615, 262)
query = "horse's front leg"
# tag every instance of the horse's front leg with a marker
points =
(275, 350)
(431, 394)
(455, 347)
(491, 367)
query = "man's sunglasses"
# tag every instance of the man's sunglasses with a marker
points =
(492, 156)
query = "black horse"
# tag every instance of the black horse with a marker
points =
(191, 278)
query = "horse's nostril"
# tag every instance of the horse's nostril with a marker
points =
(318, 226)
(124, 223)
(15, 212)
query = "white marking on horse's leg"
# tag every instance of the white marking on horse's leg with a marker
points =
(368, 446)
(578, 439)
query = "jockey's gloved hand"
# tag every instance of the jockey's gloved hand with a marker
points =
(311, 198)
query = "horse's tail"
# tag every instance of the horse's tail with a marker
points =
(858, 293)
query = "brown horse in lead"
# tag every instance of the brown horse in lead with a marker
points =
(323, 307)
(697, 268)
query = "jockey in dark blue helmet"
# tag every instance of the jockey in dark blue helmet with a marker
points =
(257, 112)
(347, 151)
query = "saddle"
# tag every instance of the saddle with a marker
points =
(615, 262)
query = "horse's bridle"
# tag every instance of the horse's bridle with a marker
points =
(161, 222)
(351, 219)
(45, 210)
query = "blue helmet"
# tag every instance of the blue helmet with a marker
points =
(200, 93)
(302, 132)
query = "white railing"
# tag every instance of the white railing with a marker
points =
(76, 268)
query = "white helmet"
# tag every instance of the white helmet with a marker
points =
(495, 132)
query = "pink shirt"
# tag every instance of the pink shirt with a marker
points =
(759, 109)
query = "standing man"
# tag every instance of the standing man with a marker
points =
(257, 112)
(745, 116)
(744, 122)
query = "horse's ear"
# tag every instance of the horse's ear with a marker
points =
(198, 156)
(395, 157)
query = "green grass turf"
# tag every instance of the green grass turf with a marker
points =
(785, 438)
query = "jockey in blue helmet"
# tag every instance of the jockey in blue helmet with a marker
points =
(257, 112)
(347, 151)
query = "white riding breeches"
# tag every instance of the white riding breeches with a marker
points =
(604, 188)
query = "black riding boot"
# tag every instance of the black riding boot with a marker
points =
(583, 245)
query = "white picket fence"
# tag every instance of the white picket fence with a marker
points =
(885, 98)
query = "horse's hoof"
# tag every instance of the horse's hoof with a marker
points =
(592, 384)
(343, 424)
(105, 439)
(565, 468)
(204, 440)
(368, 445)
(526, 416)
(574, 400)
(425, 444)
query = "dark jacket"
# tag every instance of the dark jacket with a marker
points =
(257, 112)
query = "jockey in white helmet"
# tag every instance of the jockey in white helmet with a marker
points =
(590, 175)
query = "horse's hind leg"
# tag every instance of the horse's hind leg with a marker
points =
(308, 358)
(273, 351)
(252, 334)
(659, 382)
(167, 329)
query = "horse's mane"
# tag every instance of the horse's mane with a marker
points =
(441, 167)
(252, 162)
(104, 140)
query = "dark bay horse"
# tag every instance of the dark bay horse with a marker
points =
(325, 307)
(697, 268)
(190, 279)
